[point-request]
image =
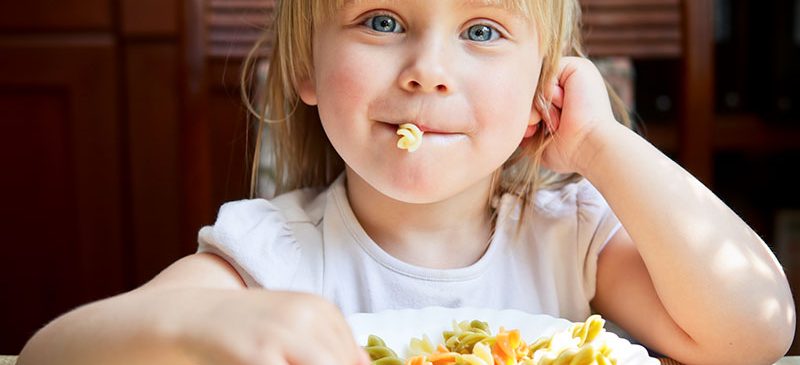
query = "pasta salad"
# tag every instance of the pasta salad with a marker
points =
(472, 343)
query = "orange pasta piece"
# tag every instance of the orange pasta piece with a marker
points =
(505, 347)
(443, 356)
(502, 346)
(443, 359)
(418, 360)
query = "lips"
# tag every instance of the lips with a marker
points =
(426, 129)
(422, 127)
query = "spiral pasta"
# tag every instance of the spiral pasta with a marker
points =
(578, 345)
(411, 137)
(472, 343)
(465, 335)
(379, 353)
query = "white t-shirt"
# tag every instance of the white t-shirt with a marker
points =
(309, 240)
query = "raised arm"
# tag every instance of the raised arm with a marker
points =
(686, 274)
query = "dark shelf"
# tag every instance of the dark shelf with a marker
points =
(740, 132)
(752, 133)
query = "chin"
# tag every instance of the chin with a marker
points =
(427, 188)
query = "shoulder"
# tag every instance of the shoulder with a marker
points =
(299, 206)
(256, 234)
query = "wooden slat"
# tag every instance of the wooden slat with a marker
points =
(625, 18)
(634, 28)
(696, 120)
(630, 3)
(233, 26)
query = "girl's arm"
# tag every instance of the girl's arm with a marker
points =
(131, 328)
(198, 312)
(699, 284)
(686, 275)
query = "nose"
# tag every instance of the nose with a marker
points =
(427, 69)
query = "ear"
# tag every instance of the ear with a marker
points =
(307, 90)
(533, 122)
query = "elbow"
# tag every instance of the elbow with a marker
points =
(769, 331)
(764, 341)
(778, 328)
(784, 333)
(758, 340)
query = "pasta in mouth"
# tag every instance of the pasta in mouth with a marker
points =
(411, 137)
(472, 343)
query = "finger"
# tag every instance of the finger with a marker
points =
(557, 96)
(364, 358)
(275, 358)
(552, 119)
(566, 67)
(329, 346)
(346, 334)
(309, 353)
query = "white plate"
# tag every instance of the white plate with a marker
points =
(397, 327)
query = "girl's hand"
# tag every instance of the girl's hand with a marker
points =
(580, 107)
(259, 327)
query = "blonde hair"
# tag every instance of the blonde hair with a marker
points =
(305, 157)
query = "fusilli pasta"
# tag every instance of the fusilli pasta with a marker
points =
(472, 343)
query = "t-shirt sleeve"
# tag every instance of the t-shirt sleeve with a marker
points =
(597, 223)
(252, 235)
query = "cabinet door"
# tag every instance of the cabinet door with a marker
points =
(49, 15)
(61, 183)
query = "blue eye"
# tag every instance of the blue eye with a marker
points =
(384, 24)
(481, 33)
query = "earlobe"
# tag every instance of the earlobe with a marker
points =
(307, 91)
(531, 130)
(533, 122)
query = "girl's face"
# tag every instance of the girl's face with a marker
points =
(464, 71)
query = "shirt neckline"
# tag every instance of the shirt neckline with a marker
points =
(338, 195)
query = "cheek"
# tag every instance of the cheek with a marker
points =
(506, 100)
(503, 108)
(346, 82)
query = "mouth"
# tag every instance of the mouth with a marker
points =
(422, 127)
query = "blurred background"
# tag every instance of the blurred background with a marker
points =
(122, 129)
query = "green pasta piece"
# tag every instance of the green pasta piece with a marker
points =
(483, 326)
(463, 342)
(379, 353)
(469, 341)
(373, 340)
(388, 361)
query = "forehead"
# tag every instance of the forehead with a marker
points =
(520, 7)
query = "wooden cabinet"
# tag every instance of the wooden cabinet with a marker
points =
(62, 194)
(91, 110)
(62, 15)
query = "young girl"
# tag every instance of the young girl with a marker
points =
(469, 218)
